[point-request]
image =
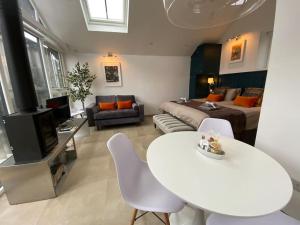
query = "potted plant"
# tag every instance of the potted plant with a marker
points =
(80, 82)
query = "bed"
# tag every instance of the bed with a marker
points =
(243, 120)
(194, 117)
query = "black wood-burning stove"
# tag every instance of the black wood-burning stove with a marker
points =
(31, 131)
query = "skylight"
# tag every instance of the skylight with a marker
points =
(97, 9)
(106, 15)
(239, 2)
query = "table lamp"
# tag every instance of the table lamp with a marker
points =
(211, 83)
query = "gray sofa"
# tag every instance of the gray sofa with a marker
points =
(100, 118)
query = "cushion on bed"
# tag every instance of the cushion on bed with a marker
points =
(246, 101)
(231, 93)
(255, 92)
(220, 90)
(215, 97)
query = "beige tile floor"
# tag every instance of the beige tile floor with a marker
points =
(90, 194)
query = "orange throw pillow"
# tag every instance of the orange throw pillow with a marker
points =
(124, 104)
(107, 106)
(245, 101)
(215, 98)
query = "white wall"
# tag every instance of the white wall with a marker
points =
(253, 47)
(262, 20)
(256, 30)
(153, 79)
(278, 130)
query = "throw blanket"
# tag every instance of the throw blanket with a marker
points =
(236, 117)
(190, 113)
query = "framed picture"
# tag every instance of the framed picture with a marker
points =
(237, 51)
(112, 73)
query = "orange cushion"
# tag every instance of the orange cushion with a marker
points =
(124, 104)
(215, 98)
(107, 105)
(245, 101)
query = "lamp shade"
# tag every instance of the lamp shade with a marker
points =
(210, 80)
(199, 14)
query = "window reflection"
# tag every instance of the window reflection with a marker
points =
(54, 68)
(37, 70)
(27, 8)
(5, 151)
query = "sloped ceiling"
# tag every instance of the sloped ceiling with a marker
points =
(150, 32)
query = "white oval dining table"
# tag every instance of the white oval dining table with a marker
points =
(246, 183)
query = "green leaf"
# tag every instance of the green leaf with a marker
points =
(80, 80)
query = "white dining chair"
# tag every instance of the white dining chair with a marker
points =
(138, 186)
(278, 218)
(220, 126)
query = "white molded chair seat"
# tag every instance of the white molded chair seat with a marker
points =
(138, 186)
(149, 195)
(220, 126)
(278, 218)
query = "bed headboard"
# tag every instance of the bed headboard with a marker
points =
(243, 80)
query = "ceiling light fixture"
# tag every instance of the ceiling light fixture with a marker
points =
(110, 57)
(235, 38)
(199, 14)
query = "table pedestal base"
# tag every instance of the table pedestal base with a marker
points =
(188, 216)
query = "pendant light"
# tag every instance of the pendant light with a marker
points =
(200, 14)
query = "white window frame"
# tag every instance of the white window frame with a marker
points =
(106, 25)
(41, 31)
(54, 91)
(33, 29)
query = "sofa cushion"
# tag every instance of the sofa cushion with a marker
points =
(125, 98)
(107, 106)
(105, 98)
(124, 104)
(115, 114)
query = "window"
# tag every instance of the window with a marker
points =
(27, 8)
(30, 11)
(8, 95)
(37, 68)
(41, 62)
(110, 10)
(5, 151)
(54, 68)
(106, 15)
(238, 2)
(97, 9)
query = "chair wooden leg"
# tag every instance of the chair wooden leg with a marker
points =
(166, 216)
(135, 211)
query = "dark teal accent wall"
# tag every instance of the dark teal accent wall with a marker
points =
(205, 62)
(244, 79)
